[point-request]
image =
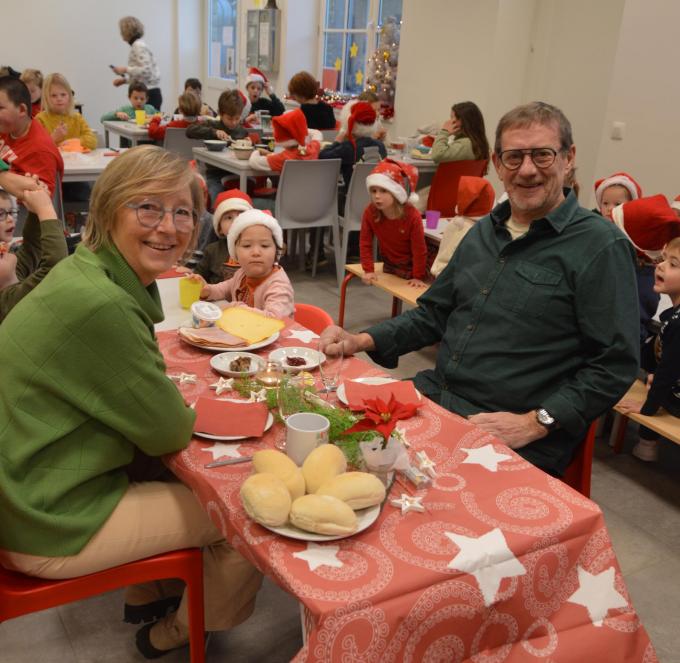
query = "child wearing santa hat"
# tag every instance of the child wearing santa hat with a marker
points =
(676, 205)
(258, 84)
(217, 264)
(615, 190)
(256, 240)
(475, 200)
(392, 218)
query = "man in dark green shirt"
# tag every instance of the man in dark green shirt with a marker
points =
(536, 313)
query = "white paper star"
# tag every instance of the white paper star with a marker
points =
(257, 396)
(317, 555)
(304, 335)
(222, 385)
(408, 503)
(597, 594)
(425, 464)
(183, 378)
(485, 456)
(488, 559)
(220, 450)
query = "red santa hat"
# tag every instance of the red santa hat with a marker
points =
(246, 105)
(397, 177)
(253, 217)
(620, 179)
(228, 201)
(256, 76)
(676, 203)
(475, 196)
(362, 114)
(649, 223)
(290, 127)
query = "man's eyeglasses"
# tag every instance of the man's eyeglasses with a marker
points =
(4, 213)
(150, 214)
(542, 157)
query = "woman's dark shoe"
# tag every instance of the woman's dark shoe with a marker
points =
(149, 612)
(166, 634)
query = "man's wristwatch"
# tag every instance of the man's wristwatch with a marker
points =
(546, 419)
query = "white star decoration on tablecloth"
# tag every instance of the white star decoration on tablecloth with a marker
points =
(597, 594)
(220, 450)
(257, 396)
(222, 385)
(304, 335)
(425, 464)
(485, 456)
(183, 378)
(317, 555)
(488, 559)
(409, 503)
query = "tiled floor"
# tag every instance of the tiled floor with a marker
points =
(641, 504)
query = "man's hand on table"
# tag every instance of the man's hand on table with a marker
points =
(515, 430)
(335, 339)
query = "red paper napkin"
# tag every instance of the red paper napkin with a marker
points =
(403, 391)
(229, 418)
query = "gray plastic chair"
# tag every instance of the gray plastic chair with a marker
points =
(329, 134)
(355, 204)
(176, 141)
(307, 197)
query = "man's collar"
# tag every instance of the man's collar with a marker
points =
(559, 218)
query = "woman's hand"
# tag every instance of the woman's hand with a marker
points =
(120, 70)
(417, 283)
(369, 278)
(117, 82)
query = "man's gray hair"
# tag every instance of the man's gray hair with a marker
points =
(536, 112)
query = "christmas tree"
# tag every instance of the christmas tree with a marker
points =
(382, 65)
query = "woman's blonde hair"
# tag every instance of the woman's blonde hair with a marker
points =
(146, 170)
(131, 29)
(56, 79)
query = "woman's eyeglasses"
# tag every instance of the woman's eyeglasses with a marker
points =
(150, 214)
(542, 157)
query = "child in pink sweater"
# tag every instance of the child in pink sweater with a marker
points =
(256, 240)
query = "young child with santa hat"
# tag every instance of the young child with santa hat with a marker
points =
(652, 226)
(256, 240)
(475, 200)
(615, 190)
(217, 264)
(392, 218)
(257, 84)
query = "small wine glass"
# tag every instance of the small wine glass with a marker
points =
(290, 395)
(330, 369)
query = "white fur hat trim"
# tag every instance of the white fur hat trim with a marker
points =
(253, 217)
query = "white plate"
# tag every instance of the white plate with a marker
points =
(221, 363)
(225, 438)
(365, 518)
(312, 358)
(245, 348)
(342, 396)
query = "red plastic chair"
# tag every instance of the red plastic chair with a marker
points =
(21, 594)
(444, 189)
(312, 317)
(579, 471)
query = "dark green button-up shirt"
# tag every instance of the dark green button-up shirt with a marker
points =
(547, 320)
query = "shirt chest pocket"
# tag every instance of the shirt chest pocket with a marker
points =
(529, 288)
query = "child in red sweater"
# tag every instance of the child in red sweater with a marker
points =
(190, 108)
(393, 219)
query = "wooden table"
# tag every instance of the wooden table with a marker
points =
(226, 160)
(399, 288)
(130, 130)
(662, 423)
(79, 167)
(506, 563)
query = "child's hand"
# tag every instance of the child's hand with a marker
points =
(122, 116)
(448, 126)
(630, 407)
(59, 133)
(649, 380)
(205, 290)
(417, 283)
(369, 278)
(222, 135)
(117, 82)
(252, 118)
(39, 202)
(380, 134)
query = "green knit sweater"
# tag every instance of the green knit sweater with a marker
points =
(83, 385)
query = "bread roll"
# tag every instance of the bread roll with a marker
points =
(323, 514)
(324, 463)
(358, 490)
(275, 462)
(266, 499)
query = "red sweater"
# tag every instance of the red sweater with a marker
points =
(401, 241)
(157, 130)
(33, 153)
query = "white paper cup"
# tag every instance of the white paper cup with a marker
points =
(304, 432)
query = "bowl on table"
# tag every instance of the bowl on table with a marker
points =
(215, 145)
(242, 153)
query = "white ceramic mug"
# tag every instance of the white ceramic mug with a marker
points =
(304, 432)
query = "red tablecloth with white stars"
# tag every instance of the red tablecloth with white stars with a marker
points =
(507, 564)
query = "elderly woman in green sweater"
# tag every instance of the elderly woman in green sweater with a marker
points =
(84, 393)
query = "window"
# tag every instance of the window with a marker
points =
(222, 28)
(349, 36)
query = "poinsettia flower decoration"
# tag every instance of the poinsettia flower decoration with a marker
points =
(382, 417)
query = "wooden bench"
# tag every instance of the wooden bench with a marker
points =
(662, 423)
(399, 288)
